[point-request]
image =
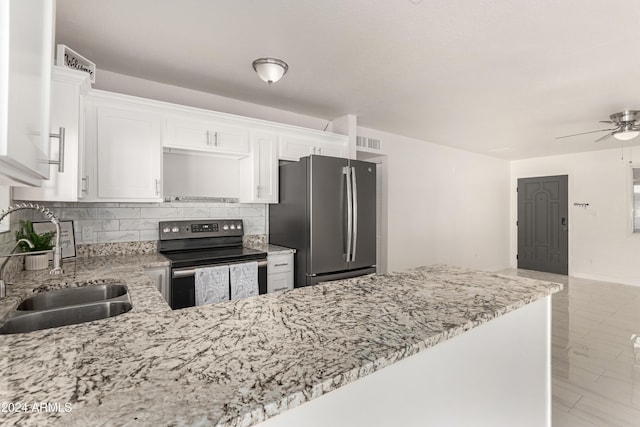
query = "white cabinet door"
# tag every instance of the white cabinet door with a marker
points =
(129, 153)
(259, 171)
(279, 282)
(65, 184)
(206, 135)
(330, 149)
(26, 45)
(294, 146)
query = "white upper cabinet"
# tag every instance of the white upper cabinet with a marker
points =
(67, 180)
(259, 171)
(206, 134)
(124, 145)
(295, 145)
(26, 46)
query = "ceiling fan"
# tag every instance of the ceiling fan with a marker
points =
(627, 126)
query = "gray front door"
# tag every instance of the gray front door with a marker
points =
(543, 237)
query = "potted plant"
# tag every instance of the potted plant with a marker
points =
(41, 242)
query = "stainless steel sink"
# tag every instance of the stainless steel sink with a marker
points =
(73, 296)
(28, 321)
(68, 306)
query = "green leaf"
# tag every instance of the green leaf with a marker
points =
(41, 242)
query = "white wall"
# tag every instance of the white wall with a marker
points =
(444, 205)
(601, 245)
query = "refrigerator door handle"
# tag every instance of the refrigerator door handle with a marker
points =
(346, 171)
(354, 194)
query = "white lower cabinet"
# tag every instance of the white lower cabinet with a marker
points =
(124, 143)
(66, 183)
(160, 278)
(279, 272)
(259, 171)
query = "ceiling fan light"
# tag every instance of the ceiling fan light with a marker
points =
(270, 70)
(626, 135)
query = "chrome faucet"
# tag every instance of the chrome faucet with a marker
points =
(3, 287)
(57, 250)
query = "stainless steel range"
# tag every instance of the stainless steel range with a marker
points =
(204, 243)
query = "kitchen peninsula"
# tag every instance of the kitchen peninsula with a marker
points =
(259, 359)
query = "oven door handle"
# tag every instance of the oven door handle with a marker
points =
(188, 272)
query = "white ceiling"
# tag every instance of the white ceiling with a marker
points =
(499, 77)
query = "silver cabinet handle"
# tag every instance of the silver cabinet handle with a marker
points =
(346, 173)
(355, 212)
(215, 139)
(281, 265)
(60, 162)
(319, 150)
(208, 138)
(157, 187)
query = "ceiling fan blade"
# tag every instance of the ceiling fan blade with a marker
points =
(604, 137)
(606, 121)
(585, 133)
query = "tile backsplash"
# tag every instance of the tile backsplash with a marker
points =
(132, 222)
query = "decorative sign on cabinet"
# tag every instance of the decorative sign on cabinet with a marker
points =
(26, 31)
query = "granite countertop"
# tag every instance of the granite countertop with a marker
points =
(275, 249)
(271, 249)
(239, 362)
(92, 270)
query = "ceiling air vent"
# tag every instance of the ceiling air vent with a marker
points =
(370, 143)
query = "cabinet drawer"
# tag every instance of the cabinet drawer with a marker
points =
(279, 282)
(280, 263)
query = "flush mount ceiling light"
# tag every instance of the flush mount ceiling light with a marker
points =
(270, 69)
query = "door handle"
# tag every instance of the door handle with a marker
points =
(347, 173)
(563, 221)
(355, 212)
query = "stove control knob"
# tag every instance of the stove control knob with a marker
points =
(239, 226)
(225, 227)
(166, 230)
(233, 227)
(175, 229)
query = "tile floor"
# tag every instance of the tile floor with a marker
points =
(595, 358)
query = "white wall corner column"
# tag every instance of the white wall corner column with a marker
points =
(347, 125)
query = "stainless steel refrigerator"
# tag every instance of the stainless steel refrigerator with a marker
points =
(327, 212)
